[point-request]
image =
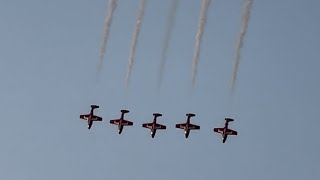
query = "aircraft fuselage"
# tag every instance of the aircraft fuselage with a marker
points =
(225, 135)
(153, 132)
(120, 128)
(186, 132)
(90, 122)
(153, 129)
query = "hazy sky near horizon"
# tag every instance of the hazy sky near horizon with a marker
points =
(49, 54)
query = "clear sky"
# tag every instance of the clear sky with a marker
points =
(48, 63)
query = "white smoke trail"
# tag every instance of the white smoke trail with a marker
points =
(245, 16)
(135, 39)
(107, 26)
(168, 33)
(201, 26)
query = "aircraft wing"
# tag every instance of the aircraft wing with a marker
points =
(231, 132)
(115, 121)
(147, 125)
(96, 118)
(127, 123)
(160, 126)
(218, 130)
(193, 126)
(181, 126)
(84, 116)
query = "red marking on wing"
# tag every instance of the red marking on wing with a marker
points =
(147, 125)
(84, 116)
(231, 132)
(218, 130)
(96, 118)
(115, 121)
(193, 126)
(127, 123)
(181, 126)
(160, 126)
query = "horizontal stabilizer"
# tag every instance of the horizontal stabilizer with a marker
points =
(124, 111)
(94, 106)
(190, 115)
(229, 119)
(157, 114)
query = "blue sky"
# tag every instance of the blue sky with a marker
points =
(48, 59)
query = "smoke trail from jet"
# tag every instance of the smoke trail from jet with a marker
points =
(107, 26)
(201, 26)
(247, 5)
(168, 33)
(134, 41)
